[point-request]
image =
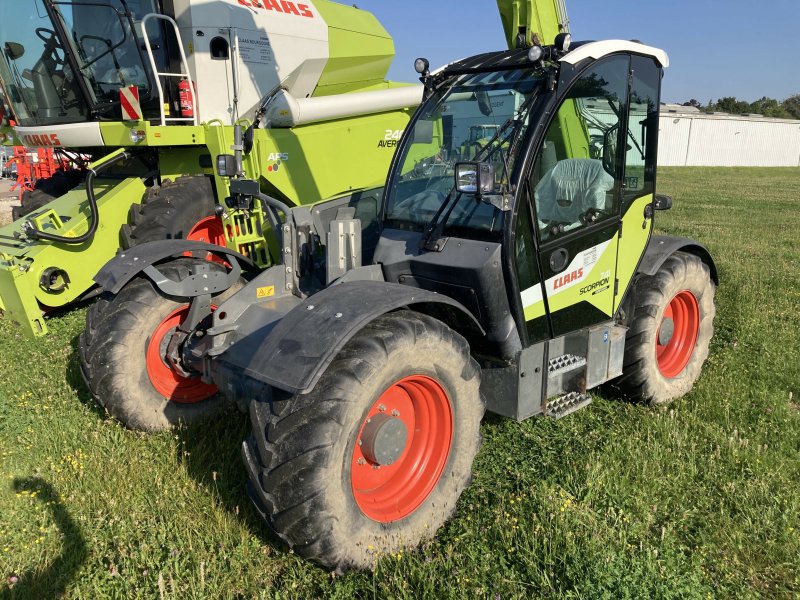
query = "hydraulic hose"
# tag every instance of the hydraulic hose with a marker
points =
(273, 208)
(30, 227)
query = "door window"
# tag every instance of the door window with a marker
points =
(576, 175)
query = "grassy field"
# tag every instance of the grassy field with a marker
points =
(699, 499)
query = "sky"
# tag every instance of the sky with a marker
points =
(717, 48)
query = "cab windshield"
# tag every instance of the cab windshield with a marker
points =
(43, 85)
(482, 118)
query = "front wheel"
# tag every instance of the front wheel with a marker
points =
(124, 362)
(373, 459)
(670, 329)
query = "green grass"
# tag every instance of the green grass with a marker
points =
(700, 499)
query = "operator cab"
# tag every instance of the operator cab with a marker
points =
(569, 144)
(65, 62)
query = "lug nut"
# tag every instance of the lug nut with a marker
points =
(361, 461)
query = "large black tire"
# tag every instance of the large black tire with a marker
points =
(46, 191)
(303, 461)
(669, 332)
(171, 211)
(117, 369)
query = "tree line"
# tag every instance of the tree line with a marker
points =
(769, 107)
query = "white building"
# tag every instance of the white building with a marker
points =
(690, 138)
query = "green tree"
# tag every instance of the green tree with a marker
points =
(769, 107)
(792, 106)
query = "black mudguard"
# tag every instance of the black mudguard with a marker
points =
(129, 263)
(662, 247)
(295, 354)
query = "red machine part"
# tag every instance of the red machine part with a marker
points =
(29, 171)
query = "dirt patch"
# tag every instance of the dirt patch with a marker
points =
(5, 210)
(7, 200)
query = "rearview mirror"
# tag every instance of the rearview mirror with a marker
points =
(474, 178)
(662, 202)
(14, 50)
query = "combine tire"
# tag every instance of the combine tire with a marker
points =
(180, 210)
(122, 356)
(373, 459)
(670, 331)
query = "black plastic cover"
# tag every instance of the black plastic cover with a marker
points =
(129, 263)
(295, 354)
(662, 247)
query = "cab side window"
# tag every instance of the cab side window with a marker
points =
(577, 174)
(642, 141)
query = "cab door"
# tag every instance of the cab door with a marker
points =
(575, 189)
(641, 148)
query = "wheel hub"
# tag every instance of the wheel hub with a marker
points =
(666, 331)
(163, 368)
(383, 439)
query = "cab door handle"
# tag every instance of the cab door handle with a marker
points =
(559, 260)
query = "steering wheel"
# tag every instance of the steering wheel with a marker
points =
(46, 35)
(593, 215)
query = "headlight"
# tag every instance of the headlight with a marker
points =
(535, 54)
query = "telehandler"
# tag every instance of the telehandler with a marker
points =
(515, 281)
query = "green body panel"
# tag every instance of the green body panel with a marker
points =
(545, 18)
(636, 231)
(23, 263)
(570, 296)
(118, 135)
(326, 160)
(361, 50)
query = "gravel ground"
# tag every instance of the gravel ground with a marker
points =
(7, 200)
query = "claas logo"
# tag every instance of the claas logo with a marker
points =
(281, 6)
(41, 141)
(568, 278)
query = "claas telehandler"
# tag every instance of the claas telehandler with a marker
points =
(516, 280)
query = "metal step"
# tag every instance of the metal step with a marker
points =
(566, 404)
(564, 363)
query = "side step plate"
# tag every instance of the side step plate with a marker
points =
(564, 363)
(566, 404)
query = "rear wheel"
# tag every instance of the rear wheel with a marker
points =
(669, 331)
(124, 362)
(374, 459)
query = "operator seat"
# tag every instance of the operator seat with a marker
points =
(571, 191)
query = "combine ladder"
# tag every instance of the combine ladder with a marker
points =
(184, 65)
